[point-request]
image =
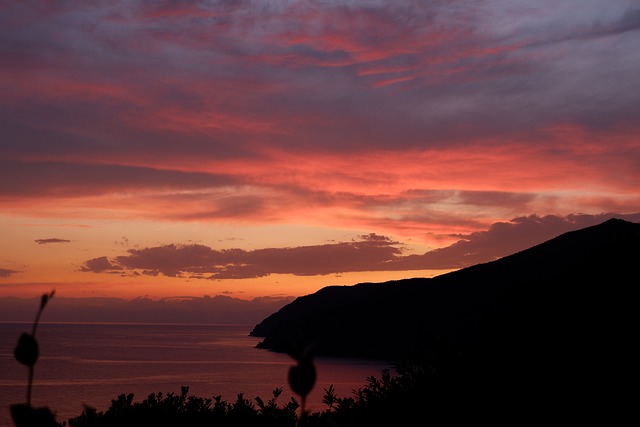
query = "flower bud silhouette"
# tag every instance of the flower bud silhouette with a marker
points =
(27, 350)
(302, 377)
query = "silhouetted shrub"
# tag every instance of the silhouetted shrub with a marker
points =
(173, 410)
(413, 394)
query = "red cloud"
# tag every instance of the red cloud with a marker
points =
(401, 117)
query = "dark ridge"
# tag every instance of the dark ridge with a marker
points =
(581, 273)
(550, 328)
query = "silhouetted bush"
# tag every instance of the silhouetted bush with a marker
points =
(162, 410)
(385, 399)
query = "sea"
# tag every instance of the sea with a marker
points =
(92, 363)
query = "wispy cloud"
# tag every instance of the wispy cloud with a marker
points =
(4, 272)
(347, 75)
(51, 240)
(64, 180)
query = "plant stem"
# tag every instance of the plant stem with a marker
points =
(29, 385)
(35, 323)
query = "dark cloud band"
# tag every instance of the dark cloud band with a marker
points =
(372, 253)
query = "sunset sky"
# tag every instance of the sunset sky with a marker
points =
(270, 148)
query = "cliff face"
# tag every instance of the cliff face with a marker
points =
(577, 287)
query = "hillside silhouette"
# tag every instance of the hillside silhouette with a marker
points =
(548, 330)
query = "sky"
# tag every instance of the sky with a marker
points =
(266, 149)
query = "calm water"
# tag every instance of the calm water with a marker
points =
(94, 363)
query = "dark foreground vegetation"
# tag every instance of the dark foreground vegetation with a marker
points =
(416, 395)
(387, 399)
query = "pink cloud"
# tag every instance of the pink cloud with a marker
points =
(406, 118)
